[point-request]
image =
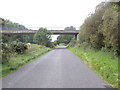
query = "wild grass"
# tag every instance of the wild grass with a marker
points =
(103, 63)
(18, 60)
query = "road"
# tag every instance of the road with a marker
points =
(59, 68)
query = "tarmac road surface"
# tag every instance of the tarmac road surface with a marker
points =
(59, 68)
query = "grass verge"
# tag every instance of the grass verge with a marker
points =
(18, 60)
(103, 63)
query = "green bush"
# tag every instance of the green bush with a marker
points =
(5, 53)
(19, 47)
(72, 43)
(10, 48)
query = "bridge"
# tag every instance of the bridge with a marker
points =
(31, 32)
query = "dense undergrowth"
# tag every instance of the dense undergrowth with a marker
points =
(102, 62)
(18, 60)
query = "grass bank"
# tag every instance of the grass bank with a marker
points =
(18, 60)
(103, 63)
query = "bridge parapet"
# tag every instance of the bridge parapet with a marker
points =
(27, 32)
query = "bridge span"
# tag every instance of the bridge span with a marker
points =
(30, 32)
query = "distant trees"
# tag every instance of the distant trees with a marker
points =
(100, 29)
(23, 38)
(43, 37)
(66, 38)
(8, 25)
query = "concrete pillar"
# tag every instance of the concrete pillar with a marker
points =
(75, 36)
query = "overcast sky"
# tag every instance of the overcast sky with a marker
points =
(47, 13)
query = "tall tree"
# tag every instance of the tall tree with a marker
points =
(100, 29)
(43, 37)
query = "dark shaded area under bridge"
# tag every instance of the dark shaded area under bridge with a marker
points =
(30, 32)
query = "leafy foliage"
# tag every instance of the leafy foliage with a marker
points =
(66, 38)
(8, 49)
(72, 43)
(43, 37)
(100, 29)
(6, 52)
(19, 47)
(8, 25)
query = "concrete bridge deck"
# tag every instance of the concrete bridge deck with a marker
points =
(28, 32)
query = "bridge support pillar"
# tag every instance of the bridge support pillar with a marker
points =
(76, 37)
